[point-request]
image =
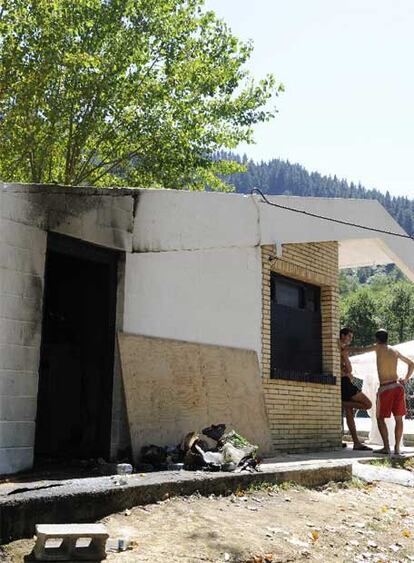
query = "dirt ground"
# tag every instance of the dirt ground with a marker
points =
(348, 523)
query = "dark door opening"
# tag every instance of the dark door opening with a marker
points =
(77, 352)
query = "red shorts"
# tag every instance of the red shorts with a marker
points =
(391, 401)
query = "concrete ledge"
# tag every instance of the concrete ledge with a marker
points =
(87, 500)
(368, 473)
(364, 434)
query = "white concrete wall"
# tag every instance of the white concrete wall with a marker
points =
(22, 251)
(177, 220)
(25, 216)
(206, 296)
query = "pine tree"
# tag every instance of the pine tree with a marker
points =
(279, 177)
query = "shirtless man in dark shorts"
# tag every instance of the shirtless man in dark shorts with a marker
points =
(391, 393)
(352, 397)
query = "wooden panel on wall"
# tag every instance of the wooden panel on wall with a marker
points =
(174, 387)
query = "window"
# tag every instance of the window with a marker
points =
(296, 331)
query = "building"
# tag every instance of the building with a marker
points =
(195, 285)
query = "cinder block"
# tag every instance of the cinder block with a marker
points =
(17, 434)
(70, 542)
(19, 409)
(14, 384)
(20, 309)
(15, 459)
(19, 358)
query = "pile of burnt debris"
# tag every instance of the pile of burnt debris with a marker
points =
(213, 449)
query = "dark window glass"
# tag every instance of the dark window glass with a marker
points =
(289, 294)
(296, 329)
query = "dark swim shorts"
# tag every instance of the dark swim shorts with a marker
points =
(348, 389)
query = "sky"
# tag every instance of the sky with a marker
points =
(347, 67)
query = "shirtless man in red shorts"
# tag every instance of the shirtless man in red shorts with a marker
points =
(391, 393)
(352, 397)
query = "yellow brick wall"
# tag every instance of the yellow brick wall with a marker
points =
(304, 416)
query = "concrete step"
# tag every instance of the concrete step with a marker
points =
(90, 499)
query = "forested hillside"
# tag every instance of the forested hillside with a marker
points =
(281, 177)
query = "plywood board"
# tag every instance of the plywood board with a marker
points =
(174, 387)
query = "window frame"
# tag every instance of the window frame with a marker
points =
(304, 289)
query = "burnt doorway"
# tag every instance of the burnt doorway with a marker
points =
(77, 351)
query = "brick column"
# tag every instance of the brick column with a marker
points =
(304, 416)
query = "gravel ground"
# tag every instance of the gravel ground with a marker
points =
(354, 522)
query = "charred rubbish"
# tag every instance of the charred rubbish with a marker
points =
(213, 449)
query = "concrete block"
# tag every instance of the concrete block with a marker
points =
(106, 236)
(11, 282)
(13, 460)
(19, 332)
(18, 208)
(18, 408)
(70, 227)
(126, 203)
(70, 542)
(18, 384)
(21, 309)
(21, 259)
(24, 358)
(17, 434)
(111, 216)
(23, 236)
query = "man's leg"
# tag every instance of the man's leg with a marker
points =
(361, 401)
(358, 401)
(383, 430)
(350, 421)
(399, 427)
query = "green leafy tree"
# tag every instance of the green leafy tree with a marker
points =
(348, 282)
(138, 92)
(399, 311)
(359, 312)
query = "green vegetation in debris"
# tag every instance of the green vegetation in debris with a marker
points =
(266, 487)
(331, 486)
(238, 441)
(353, 483)
(133, 92)
(394, 462)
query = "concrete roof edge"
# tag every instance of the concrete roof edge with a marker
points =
(60, 189)
(130, 190)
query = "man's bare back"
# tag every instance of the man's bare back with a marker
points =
(387, 360)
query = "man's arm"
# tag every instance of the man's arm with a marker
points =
(409, 363)
(356, 350)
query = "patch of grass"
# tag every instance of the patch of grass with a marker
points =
(354, 483)
(409, 464)
(266, 487)
(381, 462)
(395, 463)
